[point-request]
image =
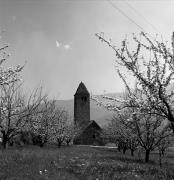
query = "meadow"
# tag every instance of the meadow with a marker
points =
(81, 162)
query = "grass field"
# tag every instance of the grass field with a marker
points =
(80, 162)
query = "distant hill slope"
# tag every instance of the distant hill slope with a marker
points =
(98, 113)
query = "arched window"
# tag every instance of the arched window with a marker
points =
(84, 98)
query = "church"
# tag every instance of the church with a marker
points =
(89, 130)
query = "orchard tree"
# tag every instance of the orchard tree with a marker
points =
(59, 125)
(16, 111)
(11, 103)
(51, 123)
(8, 77)
(127, 134)
(151, 63)
(138, 121)
(71, 132)
(109, 134)
(162, 147)
(119, 132)
(41, 122)
(149, 131)
(139, 129)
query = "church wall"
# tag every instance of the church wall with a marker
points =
(90, 136)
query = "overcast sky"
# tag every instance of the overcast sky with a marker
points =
(57, 39)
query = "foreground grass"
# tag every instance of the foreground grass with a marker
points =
(80, 162)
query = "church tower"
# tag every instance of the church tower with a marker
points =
(81, 106)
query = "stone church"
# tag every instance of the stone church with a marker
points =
(89, 129)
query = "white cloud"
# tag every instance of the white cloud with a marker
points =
(64, 46)
(58, 44)
(67, 46)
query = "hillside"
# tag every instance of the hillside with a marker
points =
(99, 114)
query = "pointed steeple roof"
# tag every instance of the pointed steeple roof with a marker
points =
(82, 89)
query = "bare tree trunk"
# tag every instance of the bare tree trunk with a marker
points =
(163, 152)
(59, 141)
(4, 140)
(59, 144)
(124, 150)
(119, 147)
(160, 158)
(147, 154)
(132, 152)
(43, 141)
(67, 142)
(172, 123)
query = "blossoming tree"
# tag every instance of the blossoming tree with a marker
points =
(151, 64)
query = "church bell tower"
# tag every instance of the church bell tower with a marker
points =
(81, 106)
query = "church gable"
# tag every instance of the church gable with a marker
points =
(93, 125)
